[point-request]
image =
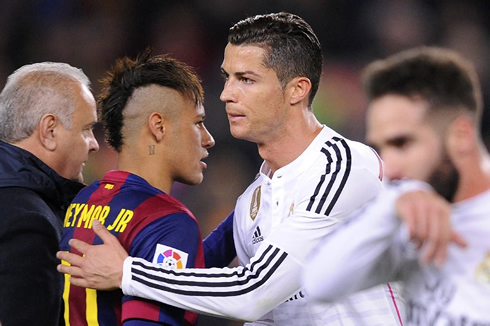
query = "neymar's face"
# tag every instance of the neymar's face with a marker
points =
(190, 143)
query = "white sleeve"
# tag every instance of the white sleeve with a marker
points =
(243, 293)
(365, 251)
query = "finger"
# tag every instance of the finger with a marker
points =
(406, 214)
(79, 245)
(439, 229)
(102, 232)
(71, 258)
(445, 231)
(420, 224)
(70, 270)
(428, 252)
(410, 221)
(459, 240)
(79, 282)
(438, 236)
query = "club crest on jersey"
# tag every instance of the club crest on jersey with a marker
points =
(170, 257)
(255, 204)
(483, 270)
(291, 210)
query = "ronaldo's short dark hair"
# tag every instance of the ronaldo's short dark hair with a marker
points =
(292, 48)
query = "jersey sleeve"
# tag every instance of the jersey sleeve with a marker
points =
(219, 247)
(243, 293)
(367, 250)
(172, 241)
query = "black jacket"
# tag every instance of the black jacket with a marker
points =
(33, 200)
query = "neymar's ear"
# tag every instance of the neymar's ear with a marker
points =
(48, 131)
(156, 123)
(298, 89)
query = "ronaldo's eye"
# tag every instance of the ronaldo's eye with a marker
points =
(246, 80)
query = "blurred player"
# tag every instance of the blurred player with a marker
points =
(153, 115)
(425, 108)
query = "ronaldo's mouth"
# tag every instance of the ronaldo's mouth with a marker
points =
(233, 117)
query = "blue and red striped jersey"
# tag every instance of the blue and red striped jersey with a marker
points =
(149, 224)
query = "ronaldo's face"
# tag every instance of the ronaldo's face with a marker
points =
(409, 146)
(254, 97)
(190, 142)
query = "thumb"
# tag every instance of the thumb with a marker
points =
(102, 232)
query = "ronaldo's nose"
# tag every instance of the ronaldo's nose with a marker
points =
(227, 92)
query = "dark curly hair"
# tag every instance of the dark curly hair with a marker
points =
(127, 75)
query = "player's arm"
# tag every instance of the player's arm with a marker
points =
(219, 246)
(356, 256)
(244, 293)
(371, 248)
(172, 240)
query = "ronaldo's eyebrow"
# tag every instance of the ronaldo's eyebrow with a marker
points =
(240, 73)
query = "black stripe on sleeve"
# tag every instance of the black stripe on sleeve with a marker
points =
(333, 176)
(267, 265)
(338, 171)
(344, 178)
(322, 179)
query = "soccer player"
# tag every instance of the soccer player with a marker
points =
(425, 107)
(312, 178)
(153, 115)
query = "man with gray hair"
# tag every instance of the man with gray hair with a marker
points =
(47, 115)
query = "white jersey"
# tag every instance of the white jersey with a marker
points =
(278, 220)
(375, 249)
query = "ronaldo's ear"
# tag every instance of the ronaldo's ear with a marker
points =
(47, 131)
(300, 88)
(156, 123)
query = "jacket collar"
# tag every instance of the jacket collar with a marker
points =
(20, 168)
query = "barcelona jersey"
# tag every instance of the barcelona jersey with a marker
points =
(149, 224)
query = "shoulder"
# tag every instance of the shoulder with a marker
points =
(24, 212)
(18, 201)
(342, 178)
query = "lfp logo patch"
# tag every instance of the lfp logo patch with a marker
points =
(169, 257)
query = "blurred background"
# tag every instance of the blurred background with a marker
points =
(92, 34)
